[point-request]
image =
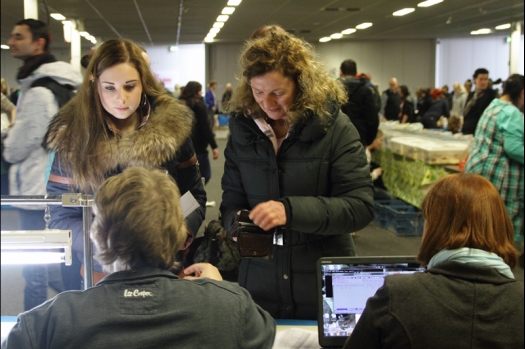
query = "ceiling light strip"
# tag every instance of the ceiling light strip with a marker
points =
(143, 22)
(403, 12)
(179, 25)
(429, 3)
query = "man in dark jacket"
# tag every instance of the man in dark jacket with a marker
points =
(477, 101)
(360, 107)
(390, 101)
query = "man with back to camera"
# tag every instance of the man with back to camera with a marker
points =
(137, 229)
(29, 41)
(390, 101)
(477, 101)
(360, 107)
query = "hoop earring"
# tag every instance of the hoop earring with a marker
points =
(143, 99)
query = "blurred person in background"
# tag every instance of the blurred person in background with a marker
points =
(459, 100)
(497, 150)
(477, 101)
(437, 111)
(390, 101)
(201, 134)
(406, 113)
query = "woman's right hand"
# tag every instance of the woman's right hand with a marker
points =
(215, 154)
(202, 270)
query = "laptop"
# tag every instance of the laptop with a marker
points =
(344, 284)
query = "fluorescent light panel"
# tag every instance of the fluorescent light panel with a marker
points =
(222, 18)
(481, 31)
(4, 47)
(364, 25)
(234, 2)
(348, 31)
(18, 257)
(58, 16)
(325, 39)
(228, 10)
(503, 26)
(429, 3)
(17, 246)
(403, 12)
(218, 24)
(336, 36)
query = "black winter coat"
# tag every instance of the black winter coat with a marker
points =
(361, 109)
(323, 179)
(471, 118)
(201, 134)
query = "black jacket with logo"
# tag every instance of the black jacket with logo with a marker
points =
(146, 308)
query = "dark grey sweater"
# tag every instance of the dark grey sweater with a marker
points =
(452, 305)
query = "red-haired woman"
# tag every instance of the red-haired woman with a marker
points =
(468, 297)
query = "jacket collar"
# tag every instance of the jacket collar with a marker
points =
(33, 63)
(140, 274)
(155, 143)
(308, 129)
(469, 272)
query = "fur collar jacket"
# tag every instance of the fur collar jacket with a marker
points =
(157, 142)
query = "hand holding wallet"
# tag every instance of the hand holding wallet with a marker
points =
(252, 241)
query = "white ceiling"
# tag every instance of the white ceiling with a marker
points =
(156, 21)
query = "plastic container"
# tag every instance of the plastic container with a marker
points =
(405, 220)
(224, 120)
(381, 217)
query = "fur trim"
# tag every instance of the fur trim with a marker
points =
(168, 127)
(156, 142)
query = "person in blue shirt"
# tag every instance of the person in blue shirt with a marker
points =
(211, 101)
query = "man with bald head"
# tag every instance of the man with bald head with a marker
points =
(390, 101)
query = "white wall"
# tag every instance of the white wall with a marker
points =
(412, 61)
(458, 58)
(186, 64)
(222, 66)
(172, 67)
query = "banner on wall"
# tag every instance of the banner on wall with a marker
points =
(168, 78)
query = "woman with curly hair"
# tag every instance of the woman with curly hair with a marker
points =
(119, 118)
(296, 162)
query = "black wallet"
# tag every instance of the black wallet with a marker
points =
(252, 241)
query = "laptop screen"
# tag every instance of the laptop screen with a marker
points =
(344, 286)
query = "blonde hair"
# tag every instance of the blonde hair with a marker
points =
(5, 87)
(139, 221)
(295, 59)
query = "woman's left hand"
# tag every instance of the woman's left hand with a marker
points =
(268, 215)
